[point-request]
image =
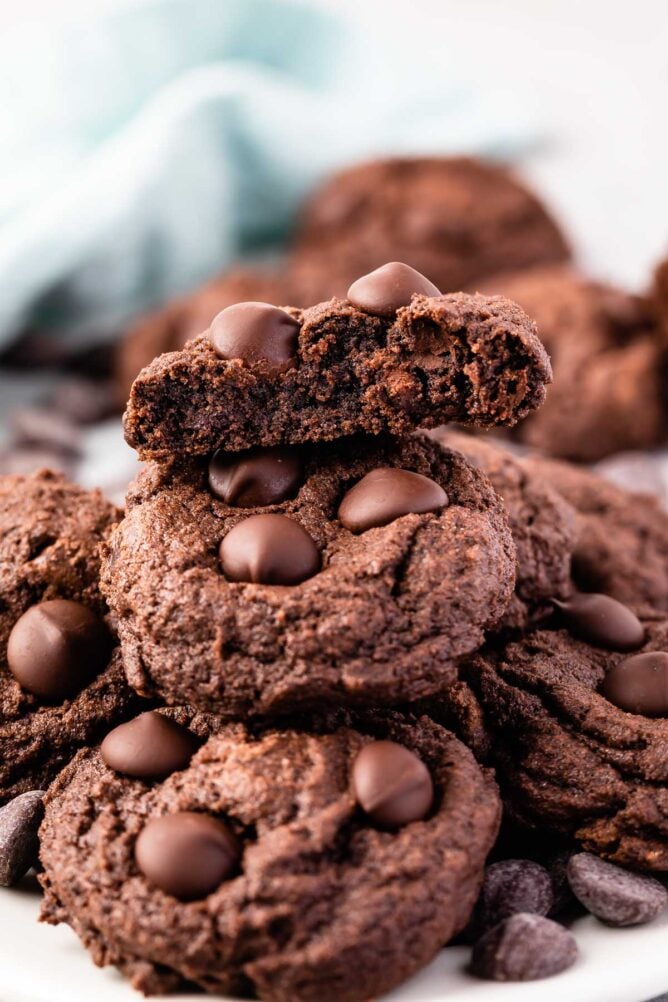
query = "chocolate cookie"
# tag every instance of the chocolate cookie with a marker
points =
(395, 355)
(168, 328)
(306, 577)
(543, 525)
(323, 861)
(609, 365)
(60, 686)
(579, 732)
(453, 218)
(621, 544)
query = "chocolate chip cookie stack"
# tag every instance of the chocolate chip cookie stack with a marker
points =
(297, 566)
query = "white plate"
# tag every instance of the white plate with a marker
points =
(41, 964)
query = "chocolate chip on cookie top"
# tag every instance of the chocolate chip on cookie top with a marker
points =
(391, 784)
(151, 746)
(639, 684)
(257, 478)
(256, 332)
(602, 621)
(187, 855)
(388, 493)
(387, 289)
(395, 357)
(56, 648)
(269, 549)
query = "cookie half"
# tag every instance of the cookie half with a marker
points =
(301, 893)
(396, 360)
(50, 535)
(397, 587)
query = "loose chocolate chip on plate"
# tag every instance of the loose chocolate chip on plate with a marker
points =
(149, 747)
(523, 948)
(269, 549)
(19, 823)
(602, 621)
(615, 896)
(256, 478)
(187, 855)
(383, 291)
(255, 332)
(512, 886)
(386, 494)
(639, 684)
(391, 784)
(56, 648)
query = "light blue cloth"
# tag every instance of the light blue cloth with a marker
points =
(143, 150)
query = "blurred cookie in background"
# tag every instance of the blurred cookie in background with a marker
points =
(609, 363)
(168, 328)
(455, 219)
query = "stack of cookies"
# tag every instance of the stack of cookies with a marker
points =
(327, 636)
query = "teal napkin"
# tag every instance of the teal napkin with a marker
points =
(145, 149)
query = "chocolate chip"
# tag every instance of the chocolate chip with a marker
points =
(269, 549)
(615, 896)
(523, 948)
(385, 290)
(602, 621)
(19, 823)
(187, 855)
(149, 747)
(639, 684)
(512, 886)
(56, 648)
(255, 332)
(386, 494)
(391, 784)
(256, 478)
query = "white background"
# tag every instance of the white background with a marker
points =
(595, 75)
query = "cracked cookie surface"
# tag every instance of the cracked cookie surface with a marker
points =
(323, 904)
(471, 359)
(385, 620)
(621, 546)
(50, 534)
(567, 758)
(542, 522)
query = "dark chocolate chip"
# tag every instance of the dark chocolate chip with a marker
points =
(512, 886)
(615, 896)
(187, 855)
(602, 621)
(56, 648)
(149, 747)
(391, 784)
(269, 549)
(255, 332)
(385, 290)
(256, 478)
(386, 494)
(19, 823)
(639, 684)
(523, 948)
